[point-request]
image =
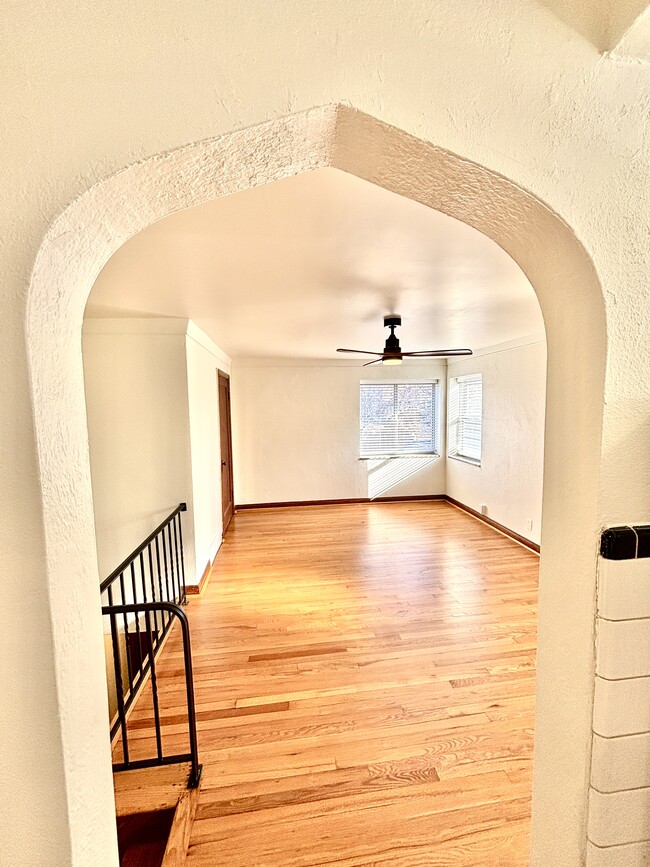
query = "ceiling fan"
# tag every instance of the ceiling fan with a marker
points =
(393, 354)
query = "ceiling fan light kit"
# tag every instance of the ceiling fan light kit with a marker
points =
(392, 353)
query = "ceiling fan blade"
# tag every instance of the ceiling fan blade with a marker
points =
(376, 361)
(439, 352)
(359, 351)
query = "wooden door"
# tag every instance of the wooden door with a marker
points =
(227, 497)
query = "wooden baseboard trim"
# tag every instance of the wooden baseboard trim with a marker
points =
(506, 531)
(197, 589)
(521, 540)
(343, 502)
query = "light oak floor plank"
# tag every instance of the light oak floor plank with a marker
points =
(365, 691)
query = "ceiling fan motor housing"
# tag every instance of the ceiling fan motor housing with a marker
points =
(392, 341)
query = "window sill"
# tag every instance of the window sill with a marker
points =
(399, 457)
(463, 460)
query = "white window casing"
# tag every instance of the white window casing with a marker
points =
(464, 414)
(399, 419)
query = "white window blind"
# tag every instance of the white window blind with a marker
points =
(398, 418)
(465, 414)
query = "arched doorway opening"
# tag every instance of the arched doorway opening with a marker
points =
(84, 237)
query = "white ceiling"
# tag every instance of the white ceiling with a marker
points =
(299, 267)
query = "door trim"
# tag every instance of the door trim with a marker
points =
(226, 379)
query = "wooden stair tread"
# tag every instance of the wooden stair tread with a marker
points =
(155, 813)
(149, 789)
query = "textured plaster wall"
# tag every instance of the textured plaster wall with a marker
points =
(510, 478)
(352, 141)
(87, 91)
(296, 434)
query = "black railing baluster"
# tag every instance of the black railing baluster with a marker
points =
(160, 586)
(126, 633)
(164, 550)
(172, 568)
(119, 687)
(154, 689)
(148, 640)
(193, 755)
(150, 636)
(137, 625)
(115, 573)
(142, 581)
(180, 538)
(191, 709)
(153, 594)
(172, 526)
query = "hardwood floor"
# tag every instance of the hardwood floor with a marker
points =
(365, 691)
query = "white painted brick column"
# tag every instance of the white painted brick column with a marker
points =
(619, 802)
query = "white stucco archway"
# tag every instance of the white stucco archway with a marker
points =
(84, 237)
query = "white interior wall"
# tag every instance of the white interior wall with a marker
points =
(136, 402)
(153, 431)
(204, 359)
(296, 434)
(510, 477)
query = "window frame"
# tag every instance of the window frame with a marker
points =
(435, 420)
(452, 451)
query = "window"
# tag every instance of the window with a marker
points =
(398, 418)
(464, 414)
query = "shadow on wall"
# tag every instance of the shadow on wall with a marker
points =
(387, 473)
